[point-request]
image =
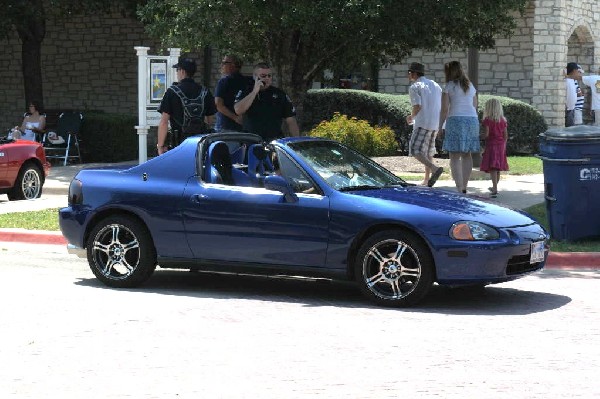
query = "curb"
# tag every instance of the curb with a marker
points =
(32, 236)
(573, 260)
(556, 260)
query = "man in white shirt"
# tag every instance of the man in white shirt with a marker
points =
(593, 81)
(426, 100)
(573, 73)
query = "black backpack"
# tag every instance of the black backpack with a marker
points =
(193, 112)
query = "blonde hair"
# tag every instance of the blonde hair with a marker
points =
(454, 73)
(493, 110)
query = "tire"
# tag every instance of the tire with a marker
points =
(120, 252)
(394, 268)
(28, 185)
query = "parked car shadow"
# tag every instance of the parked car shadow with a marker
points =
(492, 300)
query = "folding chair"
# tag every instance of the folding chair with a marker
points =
(65, 145)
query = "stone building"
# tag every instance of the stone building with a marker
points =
(528, 66)
(89, 63)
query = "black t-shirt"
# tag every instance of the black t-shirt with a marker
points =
(171, 104)
(227, 88)
(265, 115)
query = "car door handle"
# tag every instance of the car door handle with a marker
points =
(198, 198)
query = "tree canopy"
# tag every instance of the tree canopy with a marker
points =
(302, 38)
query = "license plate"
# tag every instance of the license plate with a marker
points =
(537, 252)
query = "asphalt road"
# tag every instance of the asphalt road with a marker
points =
(194, 335)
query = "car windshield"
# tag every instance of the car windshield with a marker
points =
(342, 168)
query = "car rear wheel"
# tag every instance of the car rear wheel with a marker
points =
(120, 252)
(28, 184)
(394, 268)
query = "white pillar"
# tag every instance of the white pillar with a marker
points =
(174, 54)
(142, 128)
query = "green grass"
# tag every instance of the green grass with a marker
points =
(46, 219)
(525, 166)
(538, 212)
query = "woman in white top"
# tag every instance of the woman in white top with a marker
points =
(459, 113)
(33, 123)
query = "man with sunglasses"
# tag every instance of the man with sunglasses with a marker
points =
(265, 107)
(227, 88)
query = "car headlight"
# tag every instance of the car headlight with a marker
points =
(473, 231)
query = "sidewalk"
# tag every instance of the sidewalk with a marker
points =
(514, 191)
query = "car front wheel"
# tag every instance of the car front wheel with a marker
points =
(28, 185)
(394, 268)
(120, 252)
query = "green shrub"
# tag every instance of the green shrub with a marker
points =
(108, 137)
(525, 123)
(377, 108)
(358, 134)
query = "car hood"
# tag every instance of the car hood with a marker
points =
(452, 204)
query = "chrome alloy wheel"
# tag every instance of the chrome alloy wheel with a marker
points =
(391, 269)
(31, 184)
(116, 251)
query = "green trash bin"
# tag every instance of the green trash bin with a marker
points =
(571, 160)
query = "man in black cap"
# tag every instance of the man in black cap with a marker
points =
(426, 100)
(187, 106)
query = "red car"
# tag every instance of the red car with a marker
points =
(23, 169)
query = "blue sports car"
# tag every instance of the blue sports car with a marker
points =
(298, 206)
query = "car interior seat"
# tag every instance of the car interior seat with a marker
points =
(220, 168)
(259, 163)
(238, 153)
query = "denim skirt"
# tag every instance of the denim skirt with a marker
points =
(462, 134)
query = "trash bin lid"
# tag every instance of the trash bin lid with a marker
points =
(573, 133)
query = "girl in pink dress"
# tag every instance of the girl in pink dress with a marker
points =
(494, 160)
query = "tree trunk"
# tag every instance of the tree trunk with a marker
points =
(293, 71)
(32, 31)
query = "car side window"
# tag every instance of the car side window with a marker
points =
(297, 178)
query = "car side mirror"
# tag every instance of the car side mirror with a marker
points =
(278, 183)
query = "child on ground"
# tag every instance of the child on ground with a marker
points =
(493, 160)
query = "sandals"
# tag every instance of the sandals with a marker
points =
(493, 194)
(435, 176)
